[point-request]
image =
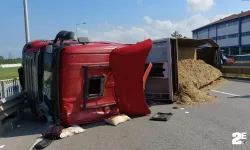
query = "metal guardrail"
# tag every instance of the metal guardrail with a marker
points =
(11, 106)
(11, 98)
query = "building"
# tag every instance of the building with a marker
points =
(232, 33)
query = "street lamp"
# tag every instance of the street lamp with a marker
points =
(79, 24)
(26, 20)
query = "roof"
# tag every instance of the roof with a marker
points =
(190, 42)
(231, 17)
(187, 42)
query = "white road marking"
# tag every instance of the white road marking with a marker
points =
(225, 93)
(2, 146)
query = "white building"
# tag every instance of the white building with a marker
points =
(231, 33)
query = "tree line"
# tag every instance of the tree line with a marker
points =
(10, 61)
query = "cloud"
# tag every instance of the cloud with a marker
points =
(199, 5)
(152, 28)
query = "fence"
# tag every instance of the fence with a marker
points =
(11, 99)
(9, 87)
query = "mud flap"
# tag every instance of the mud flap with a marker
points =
(127, 65)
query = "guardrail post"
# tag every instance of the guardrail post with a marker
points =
(3, 89)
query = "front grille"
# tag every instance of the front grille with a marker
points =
(31, 75)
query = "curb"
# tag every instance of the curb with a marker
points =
(236, 78)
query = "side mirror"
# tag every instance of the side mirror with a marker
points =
(60, 35)
(68, 36)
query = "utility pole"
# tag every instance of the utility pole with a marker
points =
(79, 24)
(26, 20)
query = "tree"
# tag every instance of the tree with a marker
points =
(176, 34)
(1, 57)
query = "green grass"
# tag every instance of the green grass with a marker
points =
(8, 73)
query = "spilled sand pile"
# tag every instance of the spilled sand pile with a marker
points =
(194, 76)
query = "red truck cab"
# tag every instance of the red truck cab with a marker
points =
(78, 81)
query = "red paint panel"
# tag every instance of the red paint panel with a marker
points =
(127, 65)
(72, 89)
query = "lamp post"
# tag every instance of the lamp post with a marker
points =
(26, 20)
(77, 26)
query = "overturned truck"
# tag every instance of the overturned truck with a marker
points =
(79, 81)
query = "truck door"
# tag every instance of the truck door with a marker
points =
(127, 65)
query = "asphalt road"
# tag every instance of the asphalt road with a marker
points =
(205, 127)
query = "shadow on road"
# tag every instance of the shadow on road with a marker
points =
(27, 125)
(30, 125)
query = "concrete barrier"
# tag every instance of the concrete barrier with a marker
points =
(240, 70)
(10, 65)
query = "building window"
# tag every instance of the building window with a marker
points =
(203, 31)
(212, 28)
(233, 35)
(245, 33)
(232, 23)
(245, 50)
(246, 20)
(194, 35)
(222, 26)
(222, 37)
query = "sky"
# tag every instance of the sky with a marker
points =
(125, 21)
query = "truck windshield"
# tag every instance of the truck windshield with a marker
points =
(47, 74)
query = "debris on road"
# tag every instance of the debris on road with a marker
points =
(2, 146)
(193, 76)
(43, 143)
(182, 108)
(115, 120)
(186, 112)
(175, 107)
(71, 131)
(161, 116)
(57, 132)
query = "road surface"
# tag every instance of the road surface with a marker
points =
(205, 127)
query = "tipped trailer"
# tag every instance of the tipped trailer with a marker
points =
(162, 82)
